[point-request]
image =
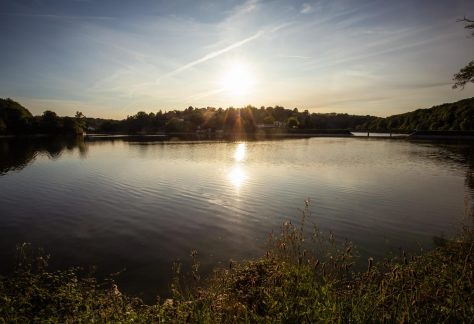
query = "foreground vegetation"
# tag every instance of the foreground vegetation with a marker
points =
(298, 280)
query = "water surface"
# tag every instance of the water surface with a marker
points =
(138, 205)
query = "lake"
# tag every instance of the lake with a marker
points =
(139, 203)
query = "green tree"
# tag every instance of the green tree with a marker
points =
(196, 118)
(174, 125)
(292, 122)
(269, 120)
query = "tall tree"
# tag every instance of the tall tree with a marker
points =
(466, 74)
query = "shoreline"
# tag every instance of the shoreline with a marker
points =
(288, 284)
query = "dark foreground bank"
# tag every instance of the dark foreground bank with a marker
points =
(298, 280)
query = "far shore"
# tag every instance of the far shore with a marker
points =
(276, 133)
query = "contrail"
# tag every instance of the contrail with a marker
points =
(212, 55)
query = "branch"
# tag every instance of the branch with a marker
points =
(469, 24)
(464, 76)
(465, 20)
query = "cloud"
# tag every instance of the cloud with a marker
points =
(306, 8)
(296, 56)
(370, 50)
(247, 7)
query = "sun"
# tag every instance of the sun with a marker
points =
(238, 80)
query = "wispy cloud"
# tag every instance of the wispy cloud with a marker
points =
(306, 8)
(296, 56)
(247, 7)
(396, 43)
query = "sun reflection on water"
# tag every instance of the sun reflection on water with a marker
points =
(237, 174)
(239, 154)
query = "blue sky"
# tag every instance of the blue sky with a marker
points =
(113, 58)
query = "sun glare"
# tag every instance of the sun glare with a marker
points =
(238, 80)
(239, 153)
(237, 176)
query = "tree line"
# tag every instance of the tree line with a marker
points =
(16, 119)
(446, 117)
(231, 120)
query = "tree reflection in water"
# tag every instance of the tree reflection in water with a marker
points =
(18, 152)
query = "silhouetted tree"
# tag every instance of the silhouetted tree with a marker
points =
(268, 120)
(50, 122)
(466, 74)
(292, 122)
(14, 118)
(3, 127)
(80, 121)
(174, 125)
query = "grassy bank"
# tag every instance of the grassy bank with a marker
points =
(300, 279)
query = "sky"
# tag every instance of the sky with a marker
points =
(113, 58)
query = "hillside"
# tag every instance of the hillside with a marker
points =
(14, 118)
(446, 117)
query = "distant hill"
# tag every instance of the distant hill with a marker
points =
(14, 118)
(446, 117)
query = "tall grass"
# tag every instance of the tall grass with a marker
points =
(306, 275)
